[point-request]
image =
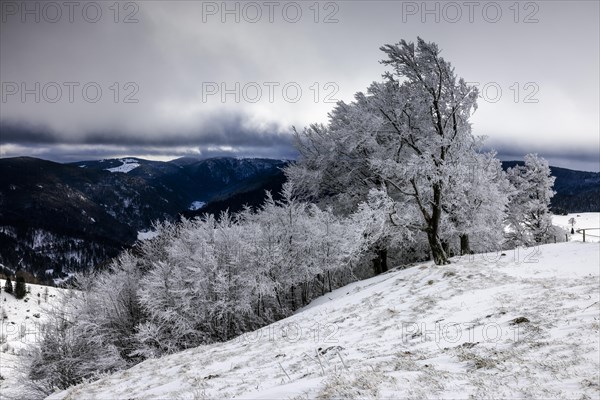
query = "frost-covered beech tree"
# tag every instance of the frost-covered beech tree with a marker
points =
(334, 171)
(475, 208)
(199, 291)
(197, 282)
(528, 215)
(288, 228)
(408, 136)
(92, 330)
(301, 246)
(219, 278)
(75, 344)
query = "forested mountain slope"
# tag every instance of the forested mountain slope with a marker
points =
(74, 216)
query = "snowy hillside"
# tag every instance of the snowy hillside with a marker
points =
(20, 321)
(516, 325)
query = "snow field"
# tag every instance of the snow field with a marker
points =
(127, 166)
(588, 221)
(18, 330)
(484, 326)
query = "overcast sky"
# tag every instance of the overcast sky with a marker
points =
(209, 78)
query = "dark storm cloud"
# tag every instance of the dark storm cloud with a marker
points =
(172, 50)
(23, 133)
(578, 157)
(220, 130)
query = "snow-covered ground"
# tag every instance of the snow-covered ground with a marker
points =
(196, 205)
(128, 165)
(523, 324)
(18, 330)
(588, 221)
(146, 235)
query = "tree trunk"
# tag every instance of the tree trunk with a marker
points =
(376, 266)
(437, 251)
(258, 306)
(293, 294)
(465, 248)
(304, 293)
(278, 298)
(321, 280)
(446, 247)
(380, 260)
(382, 255)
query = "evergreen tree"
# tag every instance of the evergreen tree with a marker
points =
(8, 286)
(528, 210)
(20, 289)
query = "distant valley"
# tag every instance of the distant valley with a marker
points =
(67, 217)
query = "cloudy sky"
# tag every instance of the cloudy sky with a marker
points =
(162, 79)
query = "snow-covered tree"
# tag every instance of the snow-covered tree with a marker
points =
(286, 226)
(334, 170)
(20, 287)
(92, 329)
(475, 207)
(176, 291)
(8, 286)
(572, 222)
(408, 136)
(301, 246)
(528, 215)
(217, 278)
(112, 303)
(71, 348)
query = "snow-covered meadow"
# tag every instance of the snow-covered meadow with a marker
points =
(520, 324)
(20, 325)
(588, 221)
